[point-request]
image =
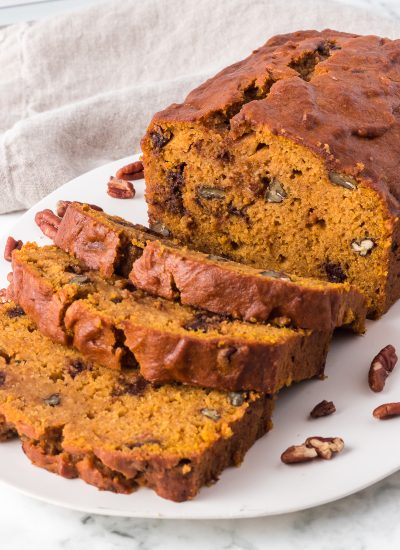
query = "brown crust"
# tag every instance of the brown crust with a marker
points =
(172, 272)
(38, 299)
(226, 363)
(334, 123)
(89, 238)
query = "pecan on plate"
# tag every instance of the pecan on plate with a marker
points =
(387, 410)
(326, 447)
(120, 189)
(298, 453)
(324, 408)
(48, 223)
(131, 171)
(11, 245)
(313, 447)
(381, 366)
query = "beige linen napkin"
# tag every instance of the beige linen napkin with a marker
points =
(78, 90)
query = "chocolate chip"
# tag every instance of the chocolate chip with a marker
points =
(225, 156)
(240, 212)
(335, 272)
(275, 275)
(344, 181)
(15, 312)
(173, 201)
(75, 367)
(79, 280)
(275, 191)
(2, 378)
(116, 300)
(198, 323)
(236, 399)
(53, 400)
(6, 357)
(136, 388)
(211, 192)
(159, 138)
(211, 413)
(201, 322)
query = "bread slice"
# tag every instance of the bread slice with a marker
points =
(113, 429)
(107, 243)
(288, 160)
(210, 282)
(115, 326)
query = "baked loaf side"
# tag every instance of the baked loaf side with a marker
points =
(210, 282)
(112, 429)
(287, 161)
(117, 327)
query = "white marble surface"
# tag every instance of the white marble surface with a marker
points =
(365, 521)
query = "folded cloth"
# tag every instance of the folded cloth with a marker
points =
(78, 90)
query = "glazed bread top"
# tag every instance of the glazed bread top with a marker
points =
(338, 94)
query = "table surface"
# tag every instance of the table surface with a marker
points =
(365, 521)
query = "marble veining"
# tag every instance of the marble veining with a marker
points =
(365, 521)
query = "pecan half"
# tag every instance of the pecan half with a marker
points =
(381, 366)
(120, 189)
(131, 171)
(326, 447)
(324, 408)
(48, 223)
(62, 206)
(313, 447)
(11, 244)
(387, 410)
(298, 453)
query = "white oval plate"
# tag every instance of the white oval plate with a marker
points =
(262, 485)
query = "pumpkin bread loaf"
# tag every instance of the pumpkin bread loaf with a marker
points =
(115, 327)
(113, 429)
(210, 282)
(288, 160)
